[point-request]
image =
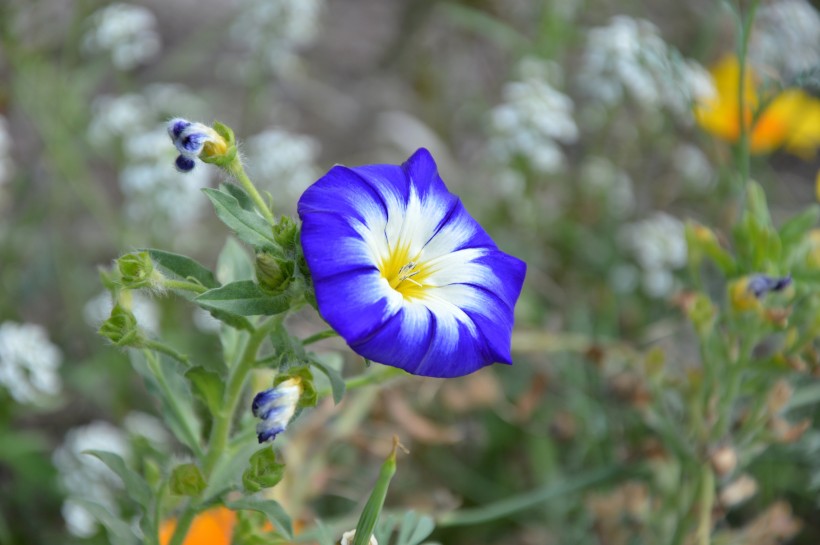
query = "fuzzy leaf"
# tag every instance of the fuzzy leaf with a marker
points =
(208, 386)
(249, 226)
(136, 486)
(244, 298)
(182, 267)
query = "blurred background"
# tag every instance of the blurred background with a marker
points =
(565, 126)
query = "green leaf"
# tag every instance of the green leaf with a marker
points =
(337, 383)
(187, 480)
(244, 298)
(227, 473)
(119, 532)
(415, 528)
(276, 515)
(249, 226)
(182, 267)
(208, 386)
(264, 471)
(240, 195)
(234, 263)
(794, 230)
(136, 486)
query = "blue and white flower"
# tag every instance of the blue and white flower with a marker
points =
(275, 407)
(761, 284)
(190, 139)
(404, 274)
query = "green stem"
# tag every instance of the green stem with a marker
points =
(743, 49)
(238, 171)
(383, 374)
(706, 502)
(170, 399)
(183, 525)
(167, 350)
(222, 424)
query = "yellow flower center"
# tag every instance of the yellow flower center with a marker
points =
(404, 273)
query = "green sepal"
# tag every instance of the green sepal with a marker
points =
(286, 233)
(208, 386)
(249, 226)
(273, 273)
(223, 160)
(337, 383)
(136, 270)
(309, 396)
(121, 328)
(264, 471)
(243, 298)
(187, 480)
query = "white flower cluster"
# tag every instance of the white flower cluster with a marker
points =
(282, 162)
(127, 32)
(151, 185)
(534, 119)
(629, 58)
(28, 362)
(693, 166)
(85, 477)
(600, 178)
(786, 38)
(276, 30)
(659, 246)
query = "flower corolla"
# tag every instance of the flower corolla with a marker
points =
(404, 274)
(275, 407)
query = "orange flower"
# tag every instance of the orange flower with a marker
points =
(791, 119)
(211, 527)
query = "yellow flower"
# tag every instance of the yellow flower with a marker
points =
(211, 527)
(790, 119)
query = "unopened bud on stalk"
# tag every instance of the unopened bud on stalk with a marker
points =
(273, 273)
(121, 328)
(137, 271)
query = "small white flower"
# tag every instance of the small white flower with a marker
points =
(629, 58)
(659, 246)
(599, 177)
(693, 166)
(28, 362)
(534, 119)
(276, 30)
(127, 32)
(786, 38)
(282, 161)
(347, 538)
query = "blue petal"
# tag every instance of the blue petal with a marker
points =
(349, 251)
(343, 192)
(264, 433)
(176, 126)
(357, 303)
(184, 164)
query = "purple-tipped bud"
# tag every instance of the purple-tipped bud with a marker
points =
(176, 126)
(760, 284)
(184, 164)
(275, 407)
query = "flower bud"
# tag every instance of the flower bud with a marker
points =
(187, 480)
(121, 328)
(136, 270)
(273, 273)
(263, 471)
(286, 233)
(275, 407)
(198, 141)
